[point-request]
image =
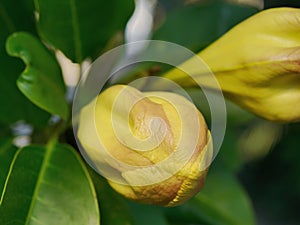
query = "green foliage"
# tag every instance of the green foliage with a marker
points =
(113, 207)
(274, 181)
(14, 105)
(206, 22)
(41, 188)
(42, 74)
(7, 152)
(147, 215)
(81, 29)
(48, 182)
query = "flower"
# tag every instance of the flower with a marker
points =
(257, 64)
(153, 147)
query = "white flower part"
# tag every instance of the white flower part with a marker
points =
(22, 141)
(22, 132)
(139, 26)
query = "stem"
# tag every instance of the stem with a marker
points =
(56, 132)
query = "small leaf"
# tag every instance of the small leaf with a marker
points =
(48, 185)
(222, 201)
(41, 81)
(81, 28)
(203, 23)
(14, 105)
(7, 152)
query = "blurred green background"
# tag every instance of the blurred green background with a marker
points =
(273, 181)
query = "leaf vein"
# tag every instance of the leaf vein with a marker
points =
(8, 175)
(48, 153)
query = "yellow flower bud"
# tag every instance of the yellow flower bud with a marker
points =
(153, 147)
(257, 64)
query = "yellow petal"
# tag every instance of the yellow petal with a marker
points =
(153, 147)
(257, 64)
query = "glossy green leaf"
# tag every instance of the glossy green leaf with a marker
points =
(221, 202)
(48, 185)
(41, 81)
(196, 26)
(14, 105)
(7, 152)
(81, 28)
(113, 207)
